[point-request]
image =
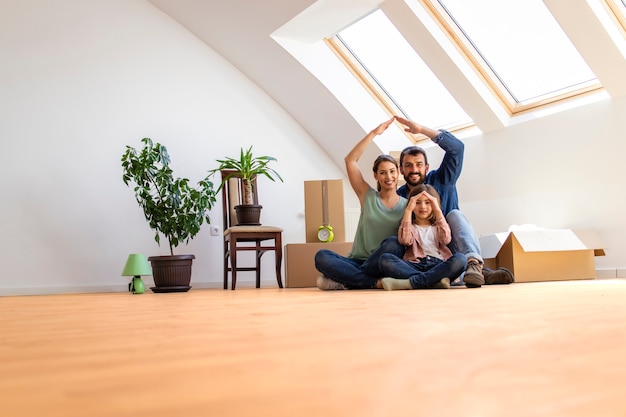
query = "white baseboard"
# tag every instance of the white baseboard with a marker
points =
(601, 273)
(63, 290)
(87, 289)
(606, 273)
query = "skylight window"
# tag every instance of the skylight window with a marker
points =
(396, 75)
(518, 47)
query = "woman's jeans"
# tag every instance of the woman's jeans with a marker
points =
(425, 273)
(356, 273)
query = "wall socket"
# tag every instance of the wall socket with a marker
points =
(215, 230)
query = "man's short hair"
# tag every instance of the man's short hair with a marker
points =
(413, 150)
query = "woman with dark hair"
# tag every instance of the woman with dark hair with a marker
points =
(425, 233)
(381, 211)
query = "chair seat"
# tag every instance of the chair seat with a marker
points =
(252, 229)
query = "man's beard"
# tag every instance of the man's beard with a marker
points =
(409, 179)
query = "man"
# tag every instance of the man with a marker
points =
(415, 170)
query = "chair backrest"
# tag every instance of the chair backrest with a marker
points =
(232, 196)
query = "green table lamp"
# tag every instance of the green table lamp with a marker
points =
(136, 266)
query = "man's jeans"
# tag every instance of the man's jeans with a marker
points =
(463, 237)
(356, 273)
(425, 273)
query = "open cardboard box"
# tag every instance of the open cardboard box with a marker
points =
(544, 255)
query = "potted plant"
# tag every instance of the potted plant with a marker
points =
(247, 167)
(172, 208)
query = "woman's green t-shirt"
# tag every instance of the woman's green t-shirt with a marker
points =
(376, 223)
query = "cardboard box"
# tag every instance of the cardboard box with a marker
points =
(314, 192)
(300, 261)
(543, 255)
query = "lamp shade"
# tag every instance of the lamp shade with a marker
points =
(136, 265)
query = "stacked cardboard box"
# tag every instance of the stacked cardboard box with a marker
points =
(299, 257)
(300, 265)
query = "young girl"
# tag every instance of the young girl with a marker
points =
(427, 261)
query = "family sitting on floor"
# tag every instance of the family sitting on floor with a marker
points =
(410, 237)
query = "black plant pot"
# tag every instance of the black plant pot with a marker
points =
(171, 273)
(248, 214)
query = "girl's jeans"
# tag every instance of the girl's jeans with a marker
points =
(425, 273)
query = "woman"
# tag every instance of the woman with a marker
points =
(381, 212)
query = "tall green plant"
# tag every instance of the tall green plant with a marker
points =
(171, 207)
(247, 166)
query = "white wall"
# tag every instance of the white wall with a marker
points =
(562, 171)
(80, 81)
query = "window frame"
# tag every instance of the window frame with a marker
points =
(367, 81)
(477, 64)
(487, 75)
(383, 99)
(617, 13)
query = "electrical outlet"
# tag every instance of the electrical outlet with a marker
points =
(215, 230)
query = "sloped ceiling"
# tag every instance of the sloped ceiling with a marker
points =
(240, 30)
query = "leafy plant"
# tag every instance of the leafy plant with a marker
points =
(171, 207)
(248, 166)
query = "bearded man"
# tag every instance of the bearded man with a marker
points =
(415, 170)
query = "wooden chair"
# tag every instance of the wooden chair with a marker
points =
(246, 238)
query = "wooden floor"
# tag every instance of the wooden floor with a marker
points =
(533, 349)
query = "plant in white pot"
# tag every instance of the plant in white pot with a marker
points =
(172, 208)
(247, 167)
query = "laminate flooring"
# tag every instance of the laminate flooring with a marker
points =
(527, 349)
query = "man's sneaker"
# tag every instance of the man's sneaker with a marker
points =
(473, 277)
(327, 284)
(498, 276)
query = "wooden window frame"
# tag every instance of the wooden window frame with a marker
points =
(379, 95)
(616, 13)
(489, 77)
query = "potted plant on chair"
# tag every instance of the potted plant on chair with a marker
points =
(247, 167)
(172, 208)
